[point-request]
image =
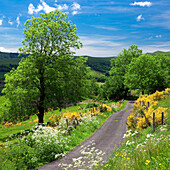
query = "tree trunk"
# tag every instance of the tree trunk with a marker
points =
(42, 97)
(143, 92)
(41, 115)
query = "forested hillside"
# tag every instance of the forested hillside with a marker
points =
(99, 64)
(11, 60)
(160, 53)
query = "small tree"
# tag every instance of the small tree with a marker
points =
(46, 77)
(114, 87)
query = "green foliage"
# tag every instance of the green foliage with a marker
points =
(114, 87)
(100, 77)
(91, 105)
(92, 87)
(148, 73)
(120, 64)
(17, 156)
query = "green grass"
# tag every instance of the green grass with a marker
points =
(164, 103)
(153, 154)
(100, 84)
(149, 156)
(95, 73)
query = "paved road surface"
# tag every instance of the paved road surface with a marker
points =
(106, 138)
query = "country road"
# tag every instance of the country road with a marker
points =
(106, 138)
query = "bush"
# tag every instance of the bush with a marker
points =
(142, 114)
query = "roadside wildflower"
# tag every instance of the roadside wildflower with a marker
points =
(147, 162)
(144, 107)
(90, 156)
(9, 124)
(129, 143)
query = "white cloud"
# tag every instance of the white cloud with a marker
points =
(158, 36)
(159, 46)
(46, 7)
(31, 9)
(74, 12)
(139, 18)
(39, 8)
(75, 6)
(18, 21)
(10, 22)
(1, 21)
(2, 49)
(106, 28)
(62, 7)
(143, 4)
(101, 45)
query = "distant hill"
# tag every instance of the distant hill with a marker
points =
(8, 61)
(101, 64)
(11, 60)
(160, 53)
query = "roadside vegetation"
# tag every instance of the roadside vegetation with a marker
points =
(26, 145)
(142, 148)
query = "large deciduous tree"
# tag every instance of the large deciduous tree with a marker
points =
(49, 76)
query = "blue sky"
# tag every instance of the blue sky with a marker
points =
(104, 27)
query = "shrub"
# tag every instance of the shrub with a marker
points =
(142, 114)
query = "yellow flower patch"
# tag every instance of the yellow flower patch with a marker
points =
(143, 107)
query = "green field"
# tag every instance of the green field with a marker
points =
(95, 73)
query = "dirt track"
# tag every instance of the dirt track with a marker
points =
(106, 138)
